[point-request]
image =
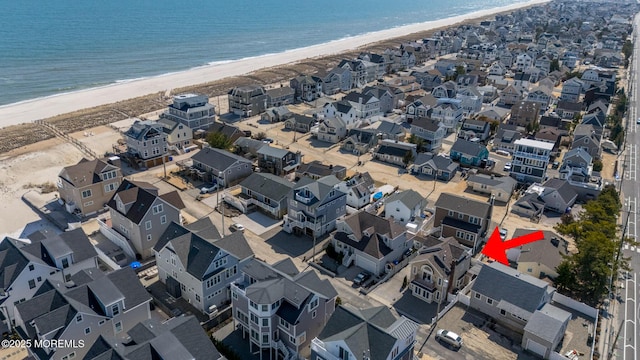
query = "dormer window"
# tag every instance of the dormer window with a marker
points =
(115, 309)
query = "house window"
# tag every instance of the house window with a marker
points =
(163, 219)
(157, 209)
(78, 318)
(265, 307)
(31, 267)
(32, 284)
(313, 314)
(265, 322)
(149, 237)
(460, 215)
(254, 318)
(148, 225)
(86, 193)
(109, 187)
(490, 301)
(450, 213)
(477, 295)
(197, 298)
(39, 279)
(115, 309)
(284, 324)
(265, 338)
(503, 312)
(101, 322)
(314, 304)
(87, 331)
(118, 327)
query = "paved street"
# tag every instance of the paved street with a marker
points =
(624, 331)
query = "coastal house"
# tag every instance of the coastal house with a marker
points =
(571, 89)
(470, 100)
(420, 108)
(465, 219)
(221, 167)
(394, 152)
(568, 109)
(179, 136)
(539, 259)
(248, 147)
(530, 160)
(276, 114)
(387, 99)
(371, 333)
(69, 252)
(523, 62)
(264, 192)
(345, 111)
(299, 123)
(97, 305)
(513, 303)
(278, 161)
(369, 241)
(332, 130)
(438, 269)
(475, 129)
(366, 105)
(431, 131)
(87, 186)
(306, 87)
(509, 96)
(404, 206)
(146, 143)
(139, 215)
(359, 189)
(358, 71)
(586, 137)
(391, 130)
(449, 112)
(248, 100)
(428, 80)
(447, 90)
(506, 136)
(469, 153)
(279, 308)
(316, 170)
(557, 195)
(280, 96)
(499, 188)
(231, 132)
(435, 166)
(337, 80)
(191, 110)
(360, 141)
(525, 114)
(23, 274)
(541, 95)
(199, 267)
(177, 338)
(314, 206)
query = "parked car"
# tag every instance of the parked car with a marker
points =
(267, 141)
(638, 121)
(507, 167)
(503, 152)
(361, 278)
(503, 234)
(555, 165)
(208, 189)
(236, 227)
(450, 338)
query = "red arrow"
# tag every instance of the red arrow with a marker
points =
(497, 249)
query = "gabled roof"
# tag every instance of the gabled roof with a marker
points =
(318, 188)
(442, 254)
(428, 124)
(372, 331)
(196, 253)
(178, 338)
(467, 147)
(138, 199)
(516, 291)
(504, 182)
(547, 322)
(367, 233)
(410, 198)
(562, 187)
(85, 172)
(218, 159)
(463, 205)
(549, 251)
(273, 152)
(388, 127)
(49, 246)
(13, 261)
(269, 185)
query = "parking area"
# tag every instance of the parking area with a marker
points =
(480, 342)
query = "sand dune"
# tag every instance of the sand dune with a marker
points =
(41, 108)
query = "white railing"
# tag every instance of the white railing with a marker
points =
(116, 238)
(346, 261)
(318, 347)
(279, 345)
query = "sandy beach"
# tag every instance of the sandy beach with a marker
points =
(42, 108)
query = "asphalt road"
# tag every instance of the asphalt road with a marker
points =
(629, 337)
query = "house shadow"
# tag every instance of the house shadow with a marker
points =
(294, 245)
(416, 309)
(38, 225)
(230, 118)
(319, 144)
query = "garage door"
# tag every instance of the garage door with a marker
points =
(536, 348)
(366, 264)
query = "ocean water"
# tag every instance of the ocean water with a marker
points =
(56, 46)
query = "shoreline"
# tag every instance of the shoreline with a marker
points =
(28, 111)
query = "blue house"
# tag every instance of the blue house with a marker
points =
(469, 153)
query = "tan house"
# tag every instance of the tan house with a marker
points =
(465, 219)
(439, 268)
(179, 136)
(88, 185)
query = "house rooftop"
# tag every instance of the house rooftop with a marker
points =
(534, 143)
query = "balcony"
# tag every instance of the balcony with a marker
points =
(528, 155)
(239, 287)
(319, 348)
(425, 284)
(301, 197)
